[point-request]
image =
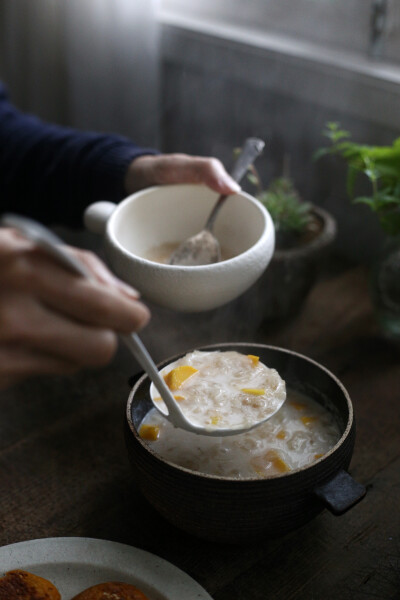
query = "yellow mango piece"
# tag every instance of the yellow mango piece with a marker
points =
(254, 359)
(308, 420)
(215, 420)
(253, 391)
(316, 456)
(269, 463)
(175, 378)
(281, 435)
(149, 432)
(178, 398)
(280, 465)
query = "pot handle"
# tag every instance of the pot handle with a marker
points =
(97, 214)
(340, 493)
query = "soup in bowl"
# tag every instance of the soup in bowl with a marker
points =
(262, 483)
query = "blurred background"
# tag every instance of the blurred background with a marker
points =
(201, 76)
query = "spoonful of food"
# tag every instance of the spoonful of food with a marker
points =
(203, 248)
(48, 242)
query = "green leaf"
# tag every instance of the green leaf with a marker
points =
(352, 174)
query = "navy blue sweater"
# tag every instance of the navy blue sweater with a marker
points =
(52, 173)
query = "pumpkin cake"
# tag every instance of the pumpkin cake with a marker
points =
(21, 585)
(111, 591)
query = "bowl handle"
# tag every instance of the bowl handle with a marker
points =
(96, 216)
(340, 493)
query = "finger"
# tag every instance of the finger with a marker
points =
(19, 363)
(90, 301)
(181, 168)
(99, 271)
(26, 324)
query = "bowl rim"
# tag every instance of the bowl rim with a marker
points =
(295, 472)
(268, 231)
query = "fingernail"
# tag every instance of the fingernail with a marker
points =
(142, 314)
(232, 184)
(236, 187)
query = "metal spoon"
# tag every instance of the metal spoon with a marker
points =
(53, 245)
(203, 248)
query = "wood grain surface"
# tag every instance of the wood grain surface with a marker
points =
(64, 469)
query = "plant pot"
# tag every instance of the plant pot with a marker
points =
(292, 271)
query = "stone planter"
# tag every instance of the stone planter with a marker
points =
(292, 271)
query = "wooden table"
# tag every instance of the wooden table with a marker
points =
(64, 469)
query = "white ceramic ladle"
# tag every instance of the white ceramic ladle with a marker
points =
(53, 245)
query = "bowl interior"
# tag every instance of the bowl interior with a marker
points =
(170, 214)
(300, 373)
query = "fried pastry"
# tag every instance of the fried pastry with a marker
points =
(21, 585)
(111, 591)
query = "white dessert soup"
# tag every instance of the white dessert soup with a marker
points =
(228, 387)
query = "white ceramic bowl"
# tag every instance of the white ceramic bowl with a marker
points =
(172, 213)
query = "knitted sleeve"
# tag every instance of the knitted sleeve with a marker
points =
(52, 173)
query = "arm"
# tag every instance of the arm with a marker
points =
(52, 173)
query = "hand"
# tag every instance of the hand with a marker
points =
(162, 169)
(53, 321)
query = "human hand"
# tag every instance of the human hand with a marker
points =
(53, 321)
(162, 169)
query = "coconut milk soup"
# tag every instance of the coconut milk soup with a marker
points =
(301, 432)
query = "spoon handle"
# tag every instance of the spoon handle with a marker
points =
(52, 244)
(251, 149)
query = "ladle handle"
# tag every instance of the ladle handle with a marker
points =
(52, 244)
(251, 149)
(140, 352)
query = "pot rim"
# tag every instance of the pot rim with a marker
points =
(207, 476)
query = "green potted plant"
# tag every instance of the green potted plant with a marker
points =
(380, 167)
(302, 232)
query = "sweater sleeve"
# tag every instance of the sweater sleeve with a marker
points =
(51, 173)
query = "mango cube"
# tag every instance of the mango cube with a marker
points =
(178, 398)
(254, 391)
(269, 464)
(254, 359)
(149, 432)
(175, 378)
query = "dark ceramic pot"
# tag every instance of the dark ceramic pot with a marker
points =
(230, 510)
(292, 272)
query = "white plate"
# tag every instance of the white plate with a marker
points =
(74, 564)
